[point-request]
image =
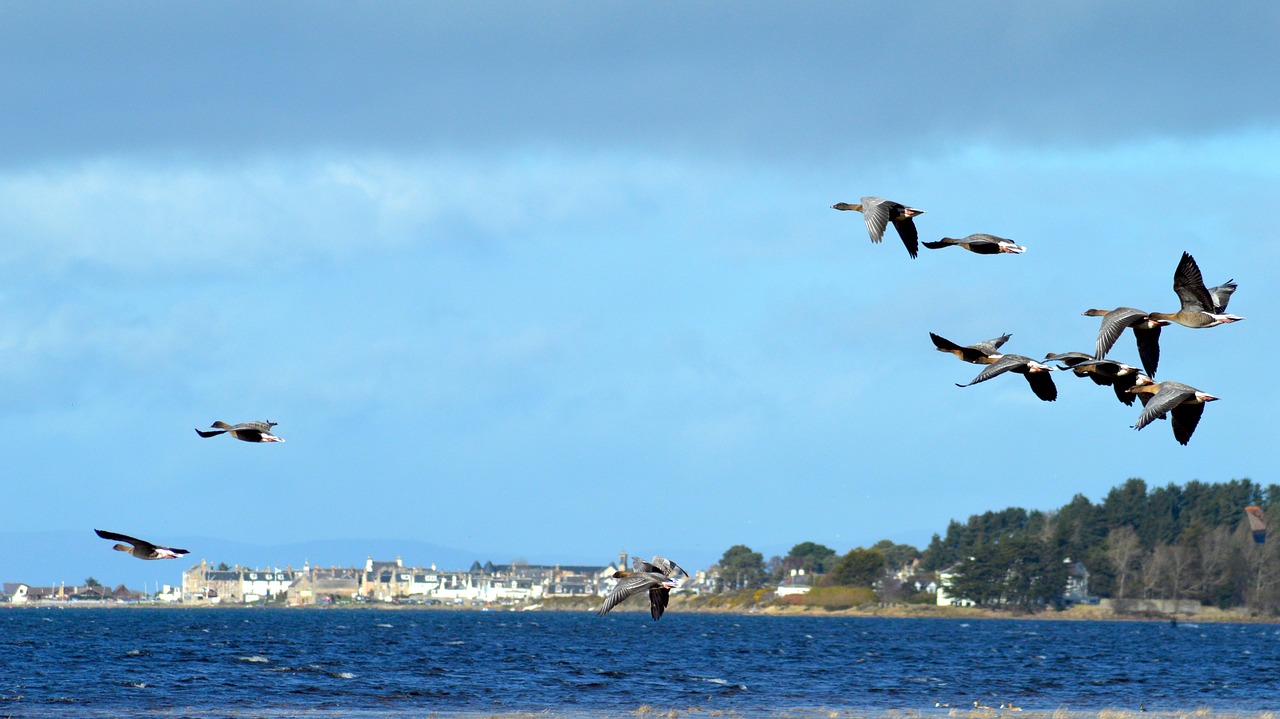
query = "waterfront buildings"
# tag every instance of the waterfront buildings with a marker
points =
(391, 581)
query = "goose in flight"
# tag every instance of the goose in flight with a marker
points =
(1037, 374)
(1109, 373)
(139, 548)
(245, 431)
(657, 576)
(1184, 405)
(981, 244)
(1201, 306)
(879, 212)
(1146, 330)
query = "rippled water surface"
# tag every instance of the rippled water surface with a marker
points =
(117, 662)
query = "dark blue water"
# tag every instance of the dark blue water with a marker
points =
(245, 662)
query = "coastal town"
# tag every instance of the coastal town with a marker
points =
(374, 581)
(518, 584)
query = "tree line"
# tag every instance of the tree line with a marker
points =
(1188, 542)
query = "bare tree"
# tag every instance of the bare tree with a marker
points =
(1123, 550)
(1264, 565)
(1155, 570)
(1217, 550)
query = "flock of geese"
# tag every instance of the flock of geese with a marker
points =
(1201, 307)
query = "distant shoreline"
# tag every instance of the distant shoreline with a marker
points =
(1076, 613)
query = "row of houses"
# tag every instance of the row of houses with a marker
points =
(21, 593)
(391, 581)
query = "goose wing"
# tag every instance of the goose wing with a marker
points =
(668, 567)
(945, 345)
(1222, 295)
(1184, 419)
(1169, 395)
(990, 346)
(1042, 384)
(627, 588)
(876, 212)
(906, 228)
(1113, 324)
(1189, 285)
(999, 367)
(658, 598)
(1148, 339)
(971, 353)
(639, 565)
(117, 537)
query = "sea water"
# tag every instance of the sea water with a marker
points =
(385, 663)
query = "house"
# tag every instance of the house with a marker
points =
(797, 582)
(1077, 591)
(235, 585)
(324, 585)
(16, 592)
(944, 581)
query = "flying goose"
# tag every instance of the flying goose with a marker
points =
(1037, 374)
(657, 576)
(1110, 373)
(245, 431)
(1184, 405)
(879, 212)
(141, 549)
(981, 244)
(1146, 330)
(1201, 306)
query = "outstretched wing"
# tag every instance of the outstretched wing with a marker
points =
(876, 213)
(117, 537)
(906, 228)
(1184, 419)
(999, 367)
(1189, 284)
(668, 567)
(139, 544)
(1164, 400)
(627, 588)
(1042, 384)
(1222, 295)
(1113, 324)
(658, 598)
(639, 565)
(1148, 348)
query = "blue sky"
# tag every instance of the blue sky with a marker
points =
(557, 280)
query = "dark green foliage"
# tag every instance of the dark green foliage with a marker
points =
(896, 555)
(1016, 571)
(1184, 542)
(859, 568)
(811, 557)
(741, 568)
